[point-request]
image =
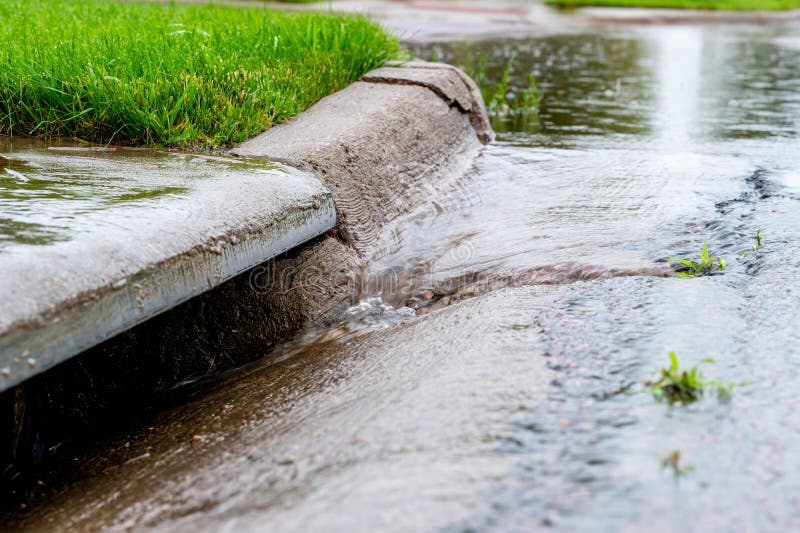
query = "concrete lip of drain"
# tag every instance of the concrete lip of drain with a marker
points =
(94, 241)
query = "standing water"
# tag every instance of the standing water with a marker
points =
(524, 405)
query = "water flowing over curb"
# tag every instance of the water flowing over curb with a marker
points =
(375, 150)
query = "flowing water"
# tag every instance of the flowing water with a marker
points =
(525, 407)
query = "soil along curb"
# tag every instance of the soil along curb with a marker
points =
(383, 144)
(99, 244)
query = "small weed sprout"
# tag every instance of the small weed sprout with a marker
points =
(707, 265)
(501, 101)
(498, 102)
(683, 387)
(436, 54)
(755, 246)
(673, 462)
(531, 96)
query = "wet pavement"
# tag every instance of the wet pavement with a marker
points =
(526, 407)
(425, 21)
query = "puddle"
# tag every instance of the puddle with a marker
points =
(48, 192)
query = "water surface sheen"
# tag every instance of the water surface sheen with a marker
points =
(649, 143)
(526, 408)
(53, 191)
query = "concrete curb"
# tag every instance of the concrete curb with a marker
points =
(382, 146)
(116, 263)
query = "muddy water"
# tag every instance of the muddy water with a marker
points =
(525, 408)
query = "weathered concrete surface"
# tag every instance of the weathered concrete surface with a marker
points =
(436, 77)
(383, 145)
(448, 82)
(95, 242)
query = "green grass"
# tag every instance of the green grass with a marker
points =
(171, 74)
(707, 265)
(756, 245)
(496, 92)
(678, 386)
(714, 5)
(673, 462)
(506, 99)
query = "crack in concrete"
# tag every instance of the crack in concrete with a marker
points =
(451, 102)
